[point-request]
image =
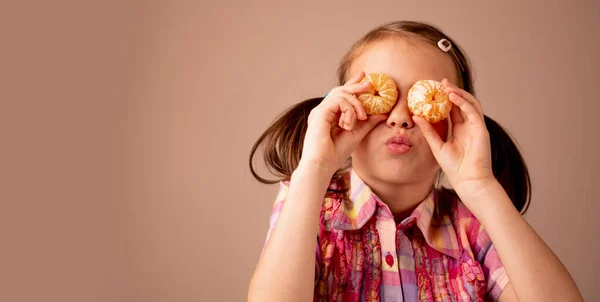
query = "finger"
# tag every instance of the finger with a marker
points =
(431, 136)
(348, 116)
(451, 88)
(468, 97)
(350, 119)
(358, 106)
(345, 117)
(341, 122)
(356, 78)
(336, 110)
(470, 113)
(354, 88)
(362, 128)
(332, 110)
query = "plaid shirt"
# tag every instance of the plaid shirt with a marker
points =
(425, 257)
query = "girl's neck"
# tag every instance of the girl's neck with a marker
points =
(402, 199)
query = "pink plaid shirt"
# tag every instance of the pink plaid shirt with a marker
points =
(425, 257)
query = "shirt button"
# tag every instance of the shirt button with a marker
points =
(389, 259)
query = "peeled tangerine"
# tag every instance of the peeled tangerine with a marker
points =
(427, 98)
(382, 96)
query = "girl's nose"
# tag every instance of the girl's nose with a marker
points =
(400, 116)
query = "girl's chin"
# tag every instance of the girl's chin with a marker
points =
(394, 174)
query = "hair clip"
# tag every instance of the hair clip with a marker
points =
(444, 47)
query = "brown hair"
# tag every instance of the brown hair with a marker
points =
(282, 141)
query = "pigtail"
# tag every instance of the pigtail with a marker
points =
(283, 141)
(508, 166)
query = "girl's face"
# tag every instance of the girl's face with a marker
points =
(406, 62)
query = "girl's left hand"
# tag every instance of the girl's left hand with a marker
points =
(466, 157)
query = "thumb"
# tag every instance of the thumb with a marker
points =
(361, 129)
(431, 136)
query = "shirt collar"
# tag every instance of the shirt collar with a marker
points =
(353, 213)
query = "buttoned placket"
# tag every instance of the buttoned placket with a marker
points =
(396, 253)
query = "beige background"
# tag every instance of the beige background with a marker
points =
(127, 128)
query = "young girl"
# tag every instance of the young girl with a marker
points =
(360, 215)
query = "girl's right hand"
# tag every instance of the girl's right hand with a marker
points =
(337, 125)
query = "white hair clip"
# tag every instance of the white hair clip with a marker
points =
(445, 47)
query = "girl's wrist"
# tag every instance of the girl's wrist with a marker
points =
(317, 173)
(471, 191)
(483, 196)
(314, 168)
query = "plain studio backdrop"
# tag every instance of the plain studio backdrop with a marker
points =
(127, 129)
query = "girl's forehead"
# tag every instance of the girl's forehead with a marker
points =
(406, 62)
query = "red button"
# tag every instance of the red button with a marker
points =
(389, 259)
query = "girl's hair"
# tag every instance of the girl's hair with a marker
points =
(282, 141)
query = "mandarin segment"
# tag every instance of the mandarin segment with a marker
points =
(382, 95)
(428, 99)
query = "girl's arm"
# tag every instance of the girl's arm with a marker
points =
(534, 271)
(286, 270)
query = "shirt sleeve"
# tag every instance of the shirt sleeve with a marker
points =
(279, 201)
(493, 270)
